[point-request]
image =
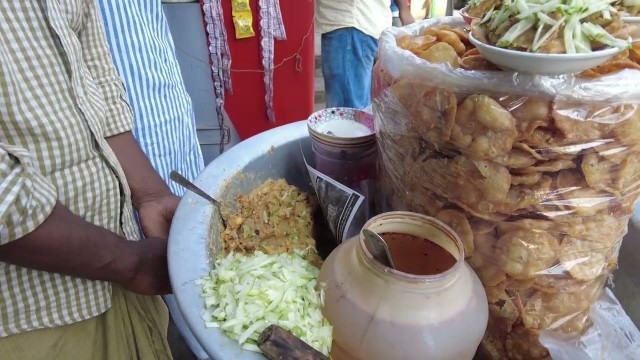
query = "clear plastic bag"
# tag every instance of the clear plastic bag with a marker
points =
(613, 335)
(538, 175)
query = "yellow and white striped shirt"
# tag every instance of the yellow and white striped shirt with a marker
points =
(60, 97)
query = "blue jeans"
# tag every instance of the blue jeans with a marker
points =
(347, 63)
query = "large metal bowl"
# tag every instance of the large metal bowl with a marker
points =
(276, 154)
(272, 154)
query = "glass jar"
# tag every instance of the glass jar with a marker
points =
(379, 313)
(348, 166)
(355, 167)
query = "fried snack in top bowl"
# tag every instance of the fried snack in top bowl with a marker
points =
(538, 181)
(478, 8)
(564, 38)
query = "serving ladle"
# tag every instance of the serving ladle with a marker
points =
(378, 248)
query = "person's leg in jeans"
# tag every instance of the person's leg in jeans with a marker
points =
(347, 63)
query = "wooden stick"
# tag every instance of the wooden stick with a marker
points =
(279, 344)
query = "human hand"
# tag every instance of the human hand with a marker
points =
(156, 215)
(406, 18)
(147, 272)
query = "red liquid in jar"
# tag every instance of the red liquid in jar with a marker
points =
(416, 255)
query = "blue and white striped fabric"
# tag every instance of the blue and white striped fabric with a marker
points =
(144, 54)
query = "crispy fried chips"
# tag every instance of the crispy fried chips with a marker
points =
(540, 188)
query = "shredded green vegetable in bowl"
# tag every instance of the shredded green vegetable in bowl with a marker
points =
(629, 8)
(245, 293)
(553, 26)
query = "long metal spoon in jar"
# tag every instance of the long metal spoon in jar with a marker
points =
(378, 248)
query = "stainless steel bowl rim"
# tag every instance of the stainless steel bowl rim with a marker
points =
(188, 257)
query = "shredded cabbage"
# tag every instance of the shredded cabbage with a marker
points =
(547, 16)
(245, 293)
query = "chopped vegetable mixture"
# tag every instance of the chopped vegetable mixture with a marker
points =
(628, 7)
(245, 293)
(275, 218)
(556, 26)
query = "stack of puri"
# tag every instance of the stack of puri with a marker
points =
(540, 190)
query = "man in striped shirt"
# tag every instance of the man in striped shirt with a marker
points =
(144, 55)
(76, 281)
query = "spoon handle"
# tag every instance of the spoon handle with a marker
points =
(379, 248)
(182, 181)
(277, 343)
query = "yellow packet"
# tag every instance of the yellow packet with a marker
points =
(243, 23)
(239, 6)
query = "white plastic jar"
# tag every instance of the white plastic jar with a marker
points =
(379, 313)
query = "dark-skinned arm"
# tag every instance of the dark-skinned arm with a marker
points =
(38, 232)
(149, 193)
(144, 181)
(64, 243)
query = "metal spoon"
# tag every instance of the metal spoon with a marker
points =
(182, 181)
(378, 248)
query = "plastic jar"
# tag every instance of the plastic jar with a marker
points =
(379, 313)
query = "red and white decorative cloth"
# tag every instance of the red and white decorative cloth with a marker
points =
(219, 55)
(271, 28)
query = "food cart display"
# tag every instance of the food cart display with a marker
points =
(518, 182)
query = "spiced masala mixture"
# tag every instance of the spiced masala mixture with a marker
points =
(274, 218)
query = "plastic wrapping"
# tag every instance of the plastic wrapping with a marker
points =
(538, 175)
(612, 336)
